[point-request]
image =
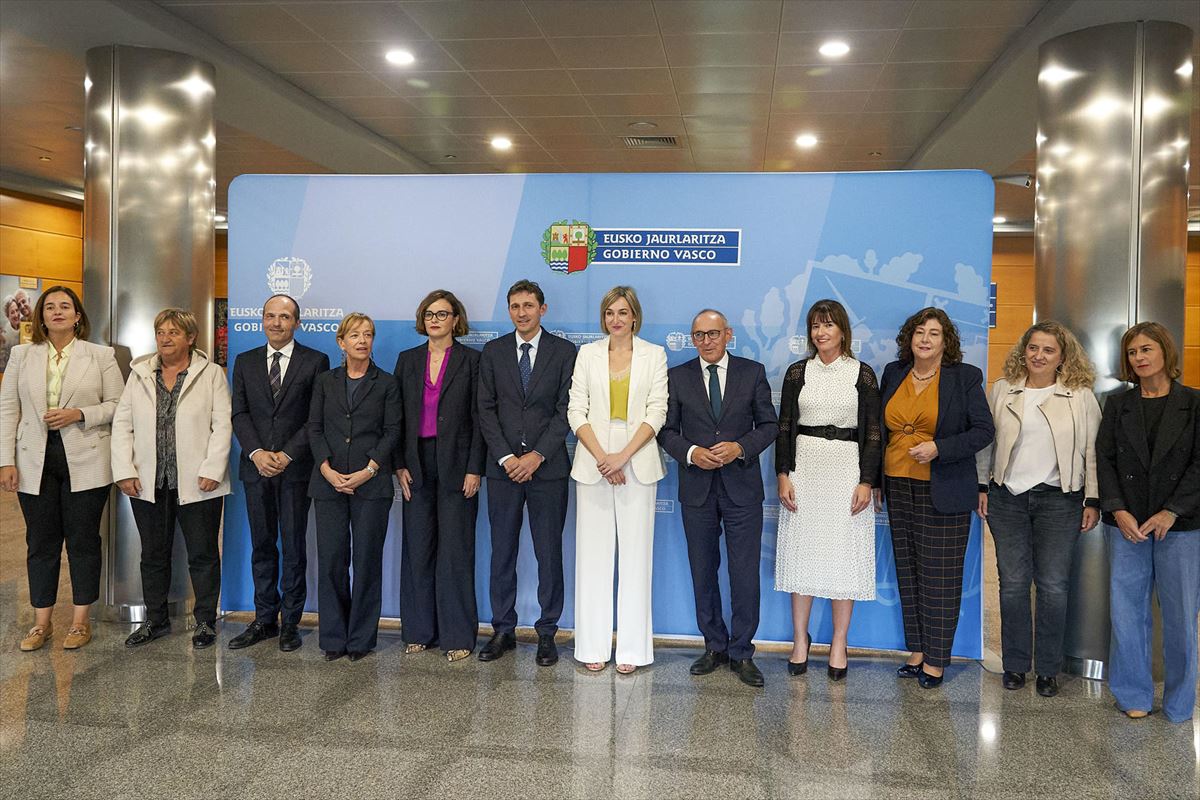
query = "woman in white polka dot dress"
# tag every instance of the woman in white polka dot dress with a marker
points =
(827, 461)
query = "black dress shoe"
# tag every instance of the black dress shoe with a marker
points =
(796, 668)
(745, 669)
(1047, 685)
(708, 662)
(837, 673)
(255, 632)
(497, 645)
(334, 655)
(1013, 680)
(928, 681)
(147, 632)
(203, 636)
(547, 651)
(289, 637)
(359, 655)
(910, 670)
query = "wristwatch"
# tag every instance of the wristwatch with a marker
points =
(374, 471)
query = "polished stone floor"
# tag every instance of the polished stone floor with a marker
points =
(165, 721)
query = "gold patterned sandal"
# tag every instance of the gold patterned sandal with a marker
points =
(409, 649)
(456, 655)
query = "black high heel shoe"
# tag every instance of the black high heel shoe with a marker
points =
(837, 673)
(928, 681)
(796, 668)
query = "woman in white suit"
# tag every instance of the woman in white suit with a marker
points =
(618, 403)
(56, 402)
(170, 456)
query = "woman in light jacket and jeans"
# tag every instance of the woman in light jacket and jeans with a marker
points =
(1038, 491)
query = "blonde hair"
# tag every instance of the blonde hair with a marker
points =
(184, 320)
(630, 296)
(1075, 371)
(352, 321)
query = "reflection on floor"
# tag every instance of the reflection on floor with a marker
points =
(164, 721)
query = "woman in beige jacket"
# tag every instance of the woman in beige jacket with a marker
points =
(1038, 491)
(56, 403)
(170, 456)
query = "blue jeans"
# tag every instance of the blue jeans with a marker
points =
(1171, 566)
(1035, 535)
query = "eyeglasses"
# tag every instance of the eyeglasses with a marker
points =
(440, 316)
(712, 336)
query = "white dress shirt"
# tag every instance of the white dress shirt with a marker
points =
(1033, 460)
(722, 371)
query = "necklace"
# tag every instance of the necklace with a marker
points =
(923, 378)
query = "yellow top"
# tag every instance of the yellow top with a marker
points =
(911, 418)
(56, 368)
(618, 396)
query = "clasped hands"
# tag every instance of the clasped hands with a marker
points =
(58, 418)
(717, 456)
(270, 463)
(1157, 526)
(520, 469)
(611, 467)
(347, 483)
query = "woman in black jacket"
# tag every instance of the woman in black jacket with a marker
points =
(353, 427)
(439, 463)
(1148, 466)
(935, 419)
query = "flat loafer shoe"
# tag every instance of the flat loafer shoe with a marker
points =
(147, 632)
(203, 636)
(255, 632)
(497, 646)
(928, 681)
(747, 672)
(1013, 680)
(1047, 685)
(334, 655)
(547, 651)
(708, 662)
(289, 638)
(910, 670)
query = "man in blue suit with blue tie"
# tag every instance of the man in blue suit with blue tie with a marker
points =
(720, 419)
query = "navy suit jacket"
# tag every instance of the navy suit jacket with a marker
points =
(964, 427)
(747, 417)
(262, 423)
(460, 443)
(350, 436)
(536, 417)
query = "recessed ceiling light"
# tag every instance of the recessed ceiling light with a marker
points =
(875, 154)
(999, 220)
(417, 83)
(806, 140)
(643, 125)
(220, 218)
(834, 49)
(449, 156)
(501, 142)
(43, 158)
(399, 57)
(75, 128)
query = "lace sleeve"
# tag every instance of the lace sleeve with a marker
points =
(870, 437)
(785, 442)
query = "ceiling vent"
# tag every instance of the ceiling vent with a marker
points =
(650, 142)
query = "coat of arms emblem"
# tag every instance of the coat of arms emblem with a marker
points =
(290, 276)
(569, 246)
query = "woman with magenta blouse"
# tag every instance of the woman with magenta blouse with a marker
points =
(438, 463)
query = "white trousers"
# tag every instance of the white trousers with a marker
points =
(606, 516)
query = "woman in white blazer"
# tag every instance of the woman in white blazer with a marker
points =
(170, 456)
(1038, 491)
(618, 403)
(56, 402)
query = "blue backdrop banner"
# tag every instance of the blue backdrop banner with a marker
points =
(759, 247)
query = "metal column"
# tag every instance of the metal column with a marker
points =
(1110, 225)
(148, 241)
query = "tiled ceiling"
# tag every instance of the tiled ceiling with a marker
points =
(734, 81)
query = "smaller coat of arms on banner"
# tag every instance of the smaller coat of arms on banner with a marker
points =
(290, 276)
(569, 246)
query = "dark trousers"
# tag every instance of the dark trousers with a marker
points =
(437, 562)
(930, 547)
(1035, 535)
(201, 526)
(743, 544)
(54, 515)
(351, 531)
(547, 502)
(278, 512)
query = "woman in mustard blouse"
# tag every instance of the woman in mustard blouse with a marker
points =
(935, 419)
(618, 403)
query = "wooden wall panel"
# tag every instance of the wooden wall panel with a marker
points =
(23, 211)
(221, 265)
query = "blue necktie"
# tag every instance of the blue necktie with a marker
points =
(714, 391)
(525, 365)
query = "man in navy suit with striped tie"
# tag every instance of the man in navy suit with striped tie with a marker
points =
(272, 390)
(524, 379)
(720, 418)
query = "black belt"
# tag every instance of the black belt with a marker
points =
(828, 432)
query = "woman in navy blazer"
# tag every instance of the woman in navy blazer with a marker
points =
(935, 419)
(439, 463)
(353, 425)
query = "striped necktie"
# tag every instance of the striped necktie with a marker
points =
(276, 380)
